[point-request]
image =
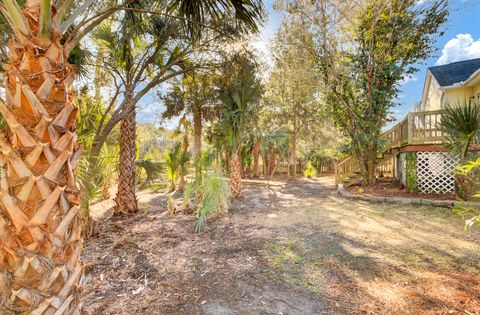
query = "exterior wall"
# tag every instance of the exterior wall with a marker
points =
(433, 98)
(476, 92)
(457, 96)
(436, 98)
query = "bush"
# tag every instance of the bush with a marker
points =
(411, 171)
(470, 213)
(310, 171)
(462, 125)
(212, 194)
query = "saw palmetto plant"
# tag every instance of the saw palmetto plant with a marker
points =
(174, 158)
(213, 195)
(461, 123)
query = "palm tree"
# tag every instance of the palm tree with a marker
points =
(238, 100)
(271, 144)
(192, 95)
(176, 160)
(462, 125)
(41, 242)
(185, 154)
(121, 48)
(41, 237)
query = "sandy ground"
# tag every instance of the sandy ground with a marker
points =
(285, 248)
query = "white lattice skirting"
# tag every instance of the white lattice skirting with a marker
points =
(434, 172)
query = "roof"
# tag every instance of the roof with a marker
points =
(453, 73)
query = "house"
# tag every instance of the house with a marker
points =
(452, 84)
(414, 150)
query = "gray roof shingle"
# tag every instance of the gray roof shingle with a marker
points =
(456, 72)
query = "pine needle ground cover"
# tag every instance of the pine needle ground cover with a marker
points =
(292, 247)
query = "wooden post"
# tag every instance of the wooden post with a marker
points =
(410, 128)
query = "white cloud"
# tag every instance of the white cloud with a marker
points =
(462, 47)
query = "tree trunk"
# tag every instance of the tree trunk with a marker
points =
(39, 222)
(197, 137)
(181, 180)
(242, 170)
(248, 171)
(289, 161)
(272, 162)
(126, 199)
(256, 153)
(235, 176)
(265, 164)
(294, 154)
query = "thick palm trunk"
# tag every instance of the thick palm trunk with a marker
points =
(40, 233)
(272, 162)
(235, 176)
(197, 137)
(241, 169)
(126, 199)
(265, 164)
(256, 154)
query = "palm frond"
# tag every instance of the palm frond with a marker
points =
(461, 123)
(213, 194)
(248, 13)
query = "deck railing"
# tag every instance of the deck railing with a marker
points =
(346, 168)
(415, 129)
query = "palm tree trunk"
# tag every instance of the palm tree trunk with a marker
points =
(265, 164)
(181, 180)
(235, 176)
(272, 162)
(39, 222)
(256, 153)
(197, 137)
(126, 199)
(242, 170)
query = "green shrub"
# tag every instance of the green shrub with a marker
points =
(462, 125)
(470, 213)
(310, 171)
(411, 171)
(212, 194)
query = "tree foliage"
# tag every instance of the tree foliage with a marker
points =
(387, 39)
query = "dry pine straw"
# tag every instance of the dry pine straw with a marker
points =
(298, 240)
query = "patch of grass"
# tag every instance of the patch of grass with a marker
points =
(285, 253)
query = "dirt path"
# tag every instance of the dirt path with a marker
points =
(292, 248)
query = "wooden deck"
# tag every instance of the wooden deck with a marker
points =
(418, 128)
(418, 131)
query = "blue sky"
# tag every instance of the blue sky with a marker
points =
(461, 41)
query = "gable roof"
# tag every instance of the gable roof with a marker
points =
(453, 73)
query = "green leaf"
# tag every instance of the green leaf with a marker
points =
(45, 18)
(15, 16)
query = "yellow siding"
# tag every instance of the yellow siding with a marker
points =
(457, 96)
(433, 100)
(476, 91)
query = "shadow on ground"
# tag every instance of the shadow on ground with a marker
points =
(294, 248)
